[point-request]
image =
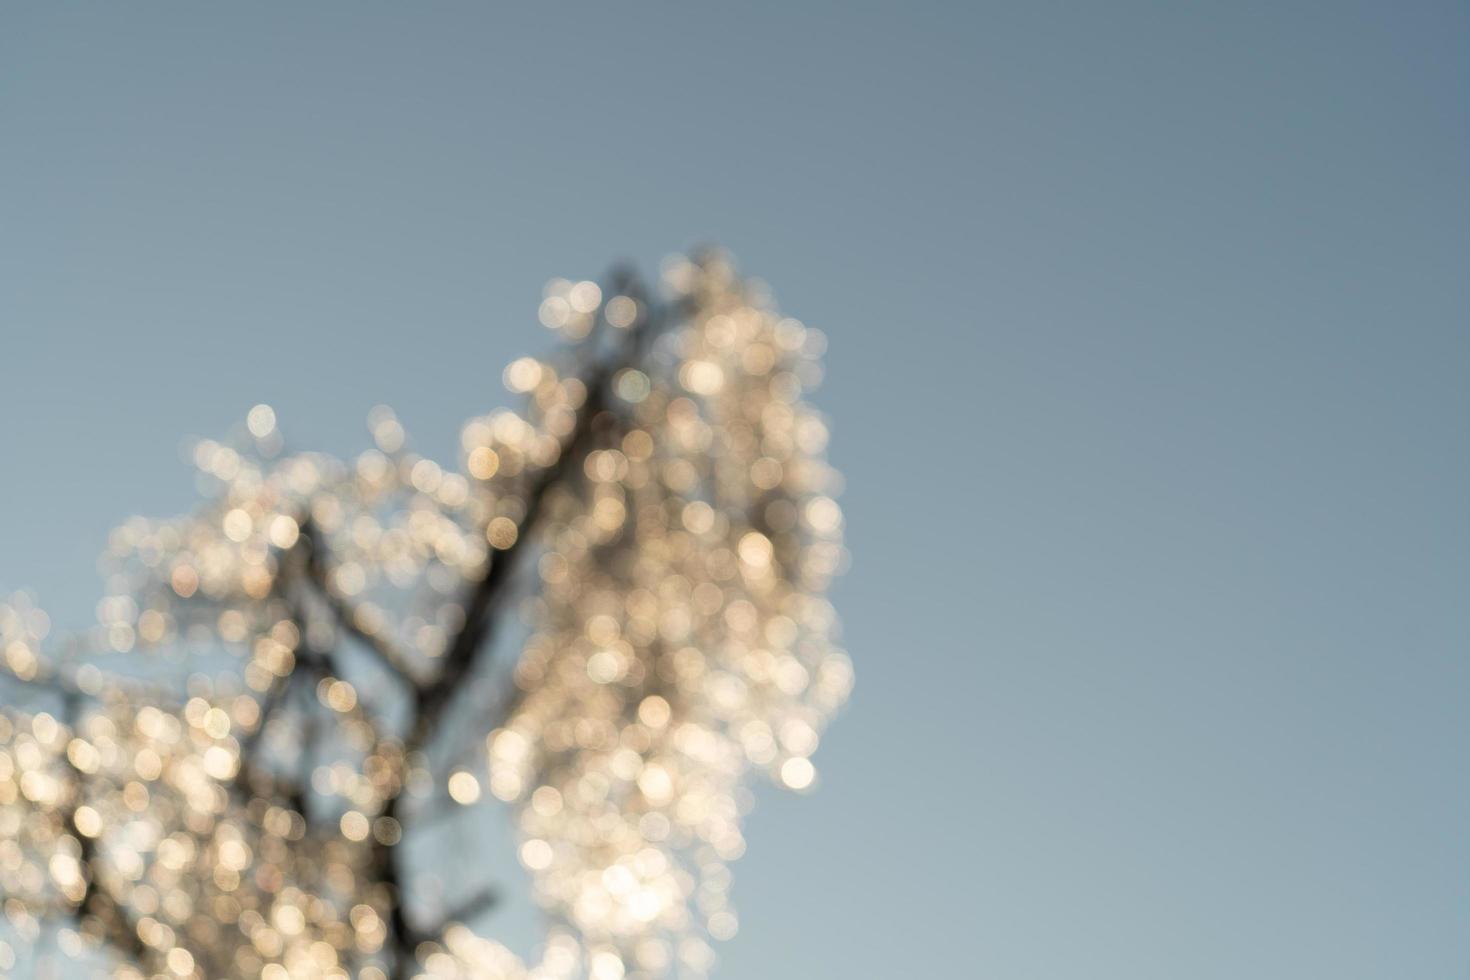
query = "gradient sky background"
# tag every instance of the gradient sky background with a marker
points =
(1149, 375)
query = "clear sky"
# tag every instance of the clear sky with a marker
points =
(1149, 374)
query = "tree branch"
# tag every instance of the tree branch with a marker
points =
(489, 593)
(346, 614)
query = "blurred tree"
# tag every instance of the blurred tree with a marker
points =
(309, 686)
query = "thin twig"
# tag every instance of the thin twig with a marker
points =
(346, 614)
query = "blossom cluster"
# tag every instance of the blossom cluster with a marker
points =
(233, 773)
